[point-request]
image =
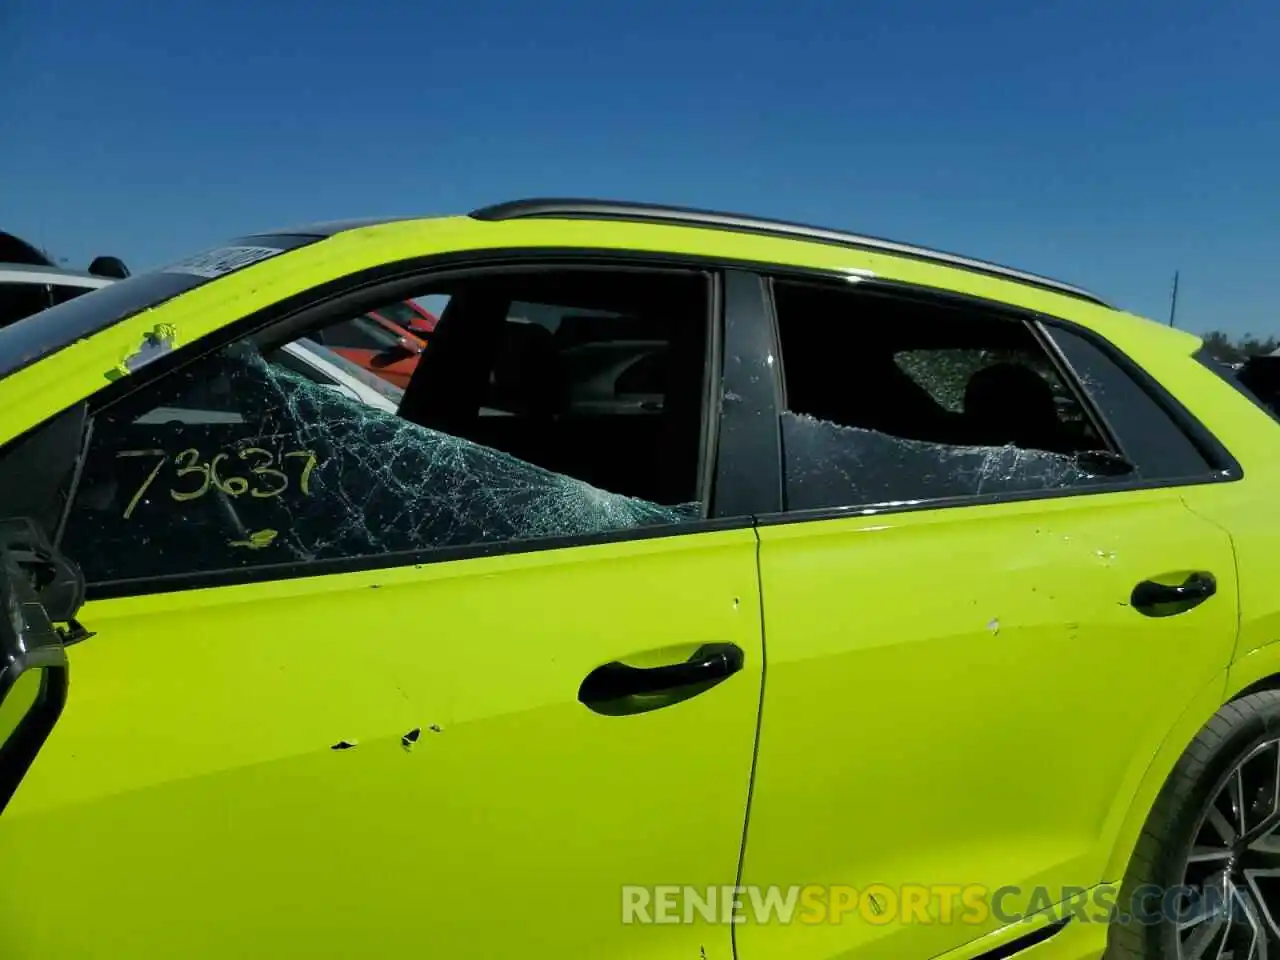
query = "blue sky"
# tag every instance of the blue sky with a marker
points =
(1107, 143)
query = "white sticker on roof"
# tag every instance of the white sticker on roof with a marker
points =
(222, 260)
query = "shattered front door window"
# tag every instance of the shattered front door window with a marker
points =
(247, 460)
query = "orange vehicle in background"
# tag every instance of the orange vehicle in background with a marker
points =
(387, 342)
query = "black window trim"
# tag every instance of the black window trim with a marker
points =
(353, 291)
(749, 475)
(1072, 381)
(1224, 467)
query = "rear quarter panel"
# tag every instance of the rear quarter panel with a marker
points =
(1249, 511)
(1246, 510)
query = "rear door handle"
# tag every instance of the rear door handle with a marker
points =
(607, 688)
(1163, 600)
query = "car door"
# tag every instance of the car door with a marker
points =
(975, 643)
(402, 693)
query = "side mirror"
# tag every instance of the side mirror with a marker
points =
(36, 586)
(403, 350)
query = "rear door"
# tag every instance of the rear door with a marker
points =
(402, 692)
(974, 633)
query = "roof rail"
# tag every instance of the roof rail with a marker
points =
(587, 209)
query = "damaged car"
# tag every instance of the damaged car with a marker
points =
(475, 665)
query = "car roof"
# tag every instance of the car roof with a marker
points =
(34, 273)
(197, 295)
(633, 212)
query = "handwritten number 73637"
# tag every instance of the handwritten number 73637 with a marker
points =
(194, 477)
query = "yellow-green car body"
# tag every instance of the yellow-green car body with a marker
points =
(390, 757)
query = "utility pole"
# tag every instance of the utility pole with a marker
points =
(1173, 301)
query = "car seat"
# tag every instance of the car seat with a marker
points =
(1007, 403)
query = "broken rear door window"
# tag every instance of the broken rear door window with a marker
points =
(267, 453)
(893, 399)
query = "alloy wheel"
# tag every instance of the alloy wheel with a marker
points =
(1230, 908)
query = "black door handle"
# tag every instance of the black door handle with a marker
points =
(1162, 600)
(612, 682)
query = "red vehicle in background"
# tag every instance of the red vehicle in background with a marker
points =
(387, 342)
(410, 316)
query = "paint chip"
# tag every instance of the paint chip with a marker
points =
(156, 342)
(344, 745)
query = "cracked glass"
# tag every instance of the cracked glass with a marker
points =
(828, 465)
(896, 400)
(265, 454)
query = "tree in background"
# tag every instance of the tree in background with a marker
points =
(1221, 346)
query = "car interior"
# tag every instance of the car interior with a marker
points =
(840, 351)
(508, 381)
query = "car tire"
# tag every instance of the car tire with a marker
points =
(1242, 738)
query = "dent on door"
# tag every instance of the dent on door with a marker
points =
(36, 588)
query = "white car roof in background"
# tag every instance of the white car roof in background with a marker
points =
(29, 273)
(327, 364)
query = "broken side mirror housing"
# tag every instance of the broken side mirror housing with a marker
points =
(38, 588)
